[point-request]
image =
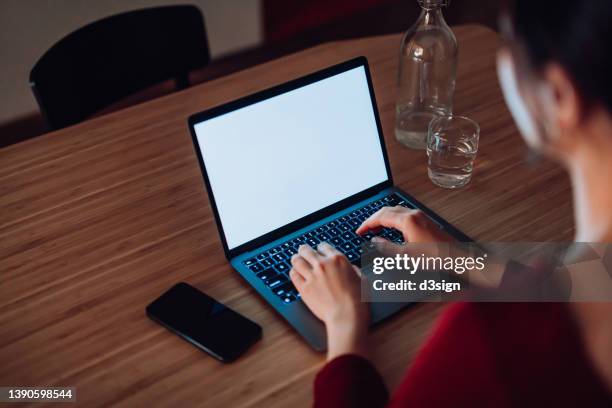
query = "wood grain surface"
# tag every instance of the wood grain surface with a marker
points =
(98, 219)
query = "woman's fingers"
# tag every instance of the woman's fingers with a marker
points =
(387, 217)
(326, 249)
(297, 278)
(309, 254)
(374, 221)
(301, 267)
(386, 247)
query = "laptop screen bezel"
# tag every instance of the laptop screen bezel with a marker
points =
(267, 94)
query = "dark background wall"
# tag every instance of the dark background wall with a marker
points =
(322, 20)
(286, 26)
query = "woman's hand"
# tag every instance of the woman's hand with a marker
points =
(331, 287)
(414, 225)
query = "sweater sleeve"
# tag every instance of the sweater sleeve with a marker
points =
(349, 381)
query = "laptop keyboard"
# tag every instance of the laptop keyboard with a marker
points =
(272, 266)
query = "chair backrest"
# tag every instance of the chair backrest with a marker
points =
(107, 60)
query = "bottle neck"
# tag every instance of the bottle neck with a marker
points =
(432, 16)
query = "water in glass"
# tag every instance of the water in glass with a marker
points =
(452, 145)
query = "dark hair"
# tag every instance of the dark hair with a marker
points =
(575, 33)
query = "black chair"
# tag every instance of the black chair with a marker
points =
(105, 61)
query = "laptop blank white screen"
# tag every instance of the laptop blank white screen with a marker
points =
(286, 157)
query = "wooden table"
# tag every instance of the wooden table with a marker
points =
(98, 219)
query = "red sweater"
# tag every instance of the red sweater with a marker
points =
(481, 354)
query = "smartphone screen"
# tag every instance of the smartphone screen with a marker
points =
(204, 322)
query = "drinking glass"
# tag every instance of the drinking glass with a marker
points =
(452, 143)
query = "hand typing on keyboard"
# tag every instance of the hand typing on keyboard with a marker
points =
(330, 287)
(414, 225)
(329, 284)
(390, 218)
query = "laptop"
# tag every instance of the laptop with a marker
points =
(299, 163)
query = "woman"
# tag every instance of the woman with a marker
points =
(556, 74)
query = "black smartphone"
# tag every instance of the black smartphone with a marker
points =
(204, 322)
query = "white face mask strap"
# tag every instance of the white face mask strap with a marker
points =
(515, 102)
(548, 106)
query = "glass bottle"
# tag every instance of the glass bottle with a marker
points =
(426, 77)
